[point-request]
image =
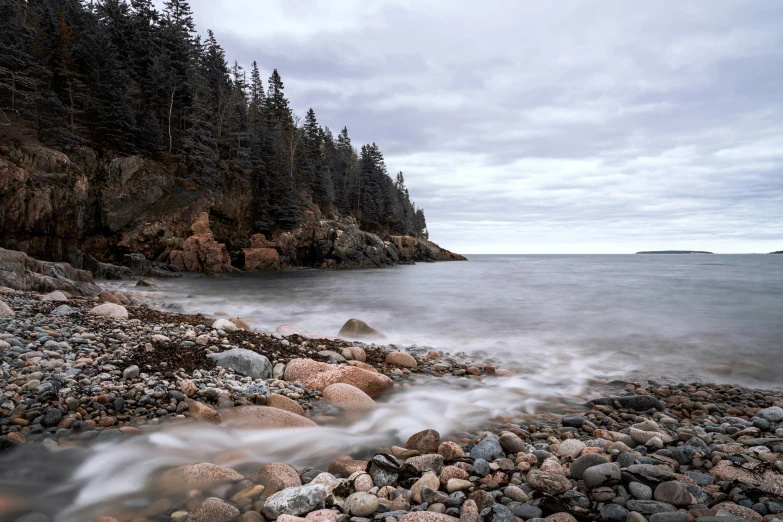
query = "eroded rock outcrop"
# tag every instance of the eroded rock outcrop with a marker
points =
(411, 249)
(261, 255)
(21, 272)
(200, 252)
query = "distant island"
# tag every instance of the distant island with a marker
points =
(674, 252)
(777, 252)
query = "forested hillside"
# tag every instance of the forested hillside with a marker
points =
(126, 79)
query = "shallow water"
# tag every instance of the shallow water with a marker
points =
(660, 315)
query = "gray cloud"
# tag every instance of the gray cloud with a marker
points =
(581, 126)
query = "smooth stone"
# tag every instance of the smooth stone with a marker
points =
(488, 449)
(224, 324)
(426, 441)
(426, 516)
(515, 493)
(63, 310)
(511, 443)
(110, 310)
(214, 510)
(361, 504)
(601, 474)
(677, 516)
(771, 414)
(634, 402)
(673, 492)
(130, 373)
(648, 507)
(501, 513)
(573, 421)
(403, 359)
(428, 479)
(527, 511)
(552, 483)
(279, 470)
(571, 448)
(458, 485)
(295, 501)
(614, 513)
(246, 362)
(651, 471)
(481, 467)
(432, 461)
(640, 491)
(358, 329)
(585, 462)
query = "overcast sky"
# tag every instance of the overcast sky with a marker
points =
(546, 127)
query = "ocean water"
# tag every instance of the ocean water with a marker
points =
(685, 317)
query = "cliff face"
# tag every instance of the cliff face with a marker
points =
(94, 211)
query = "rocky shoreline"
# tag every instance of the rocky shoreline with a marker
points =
(78, 371)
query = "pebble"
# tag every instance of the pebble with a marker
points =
(600, 475)
(361, 504)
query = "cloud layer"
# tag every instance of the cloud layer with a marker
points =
(587, 127)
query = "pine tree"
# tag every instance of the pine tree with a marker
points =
(125, 77)
(257, 100)
(199, 144)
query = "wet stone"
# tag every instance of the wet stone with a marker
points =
(677, 516)
(573, 421)
(584, 462)
(501, 513)
(648, 507)
(640, 491)
(488, 449)
(527, 511)
(481, 467)
(614, 513)
(600, 475)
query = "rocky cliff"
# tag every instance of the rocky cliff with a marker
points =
(100, 212)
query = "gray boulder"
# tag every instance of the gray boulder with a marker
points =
(772, 414)
(246, 362)
(295, 501)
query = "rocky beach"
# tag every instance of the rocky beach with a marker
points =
(291, 428)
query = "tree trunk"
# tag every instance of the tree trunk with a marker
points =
(171, 106)
(70, 96)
